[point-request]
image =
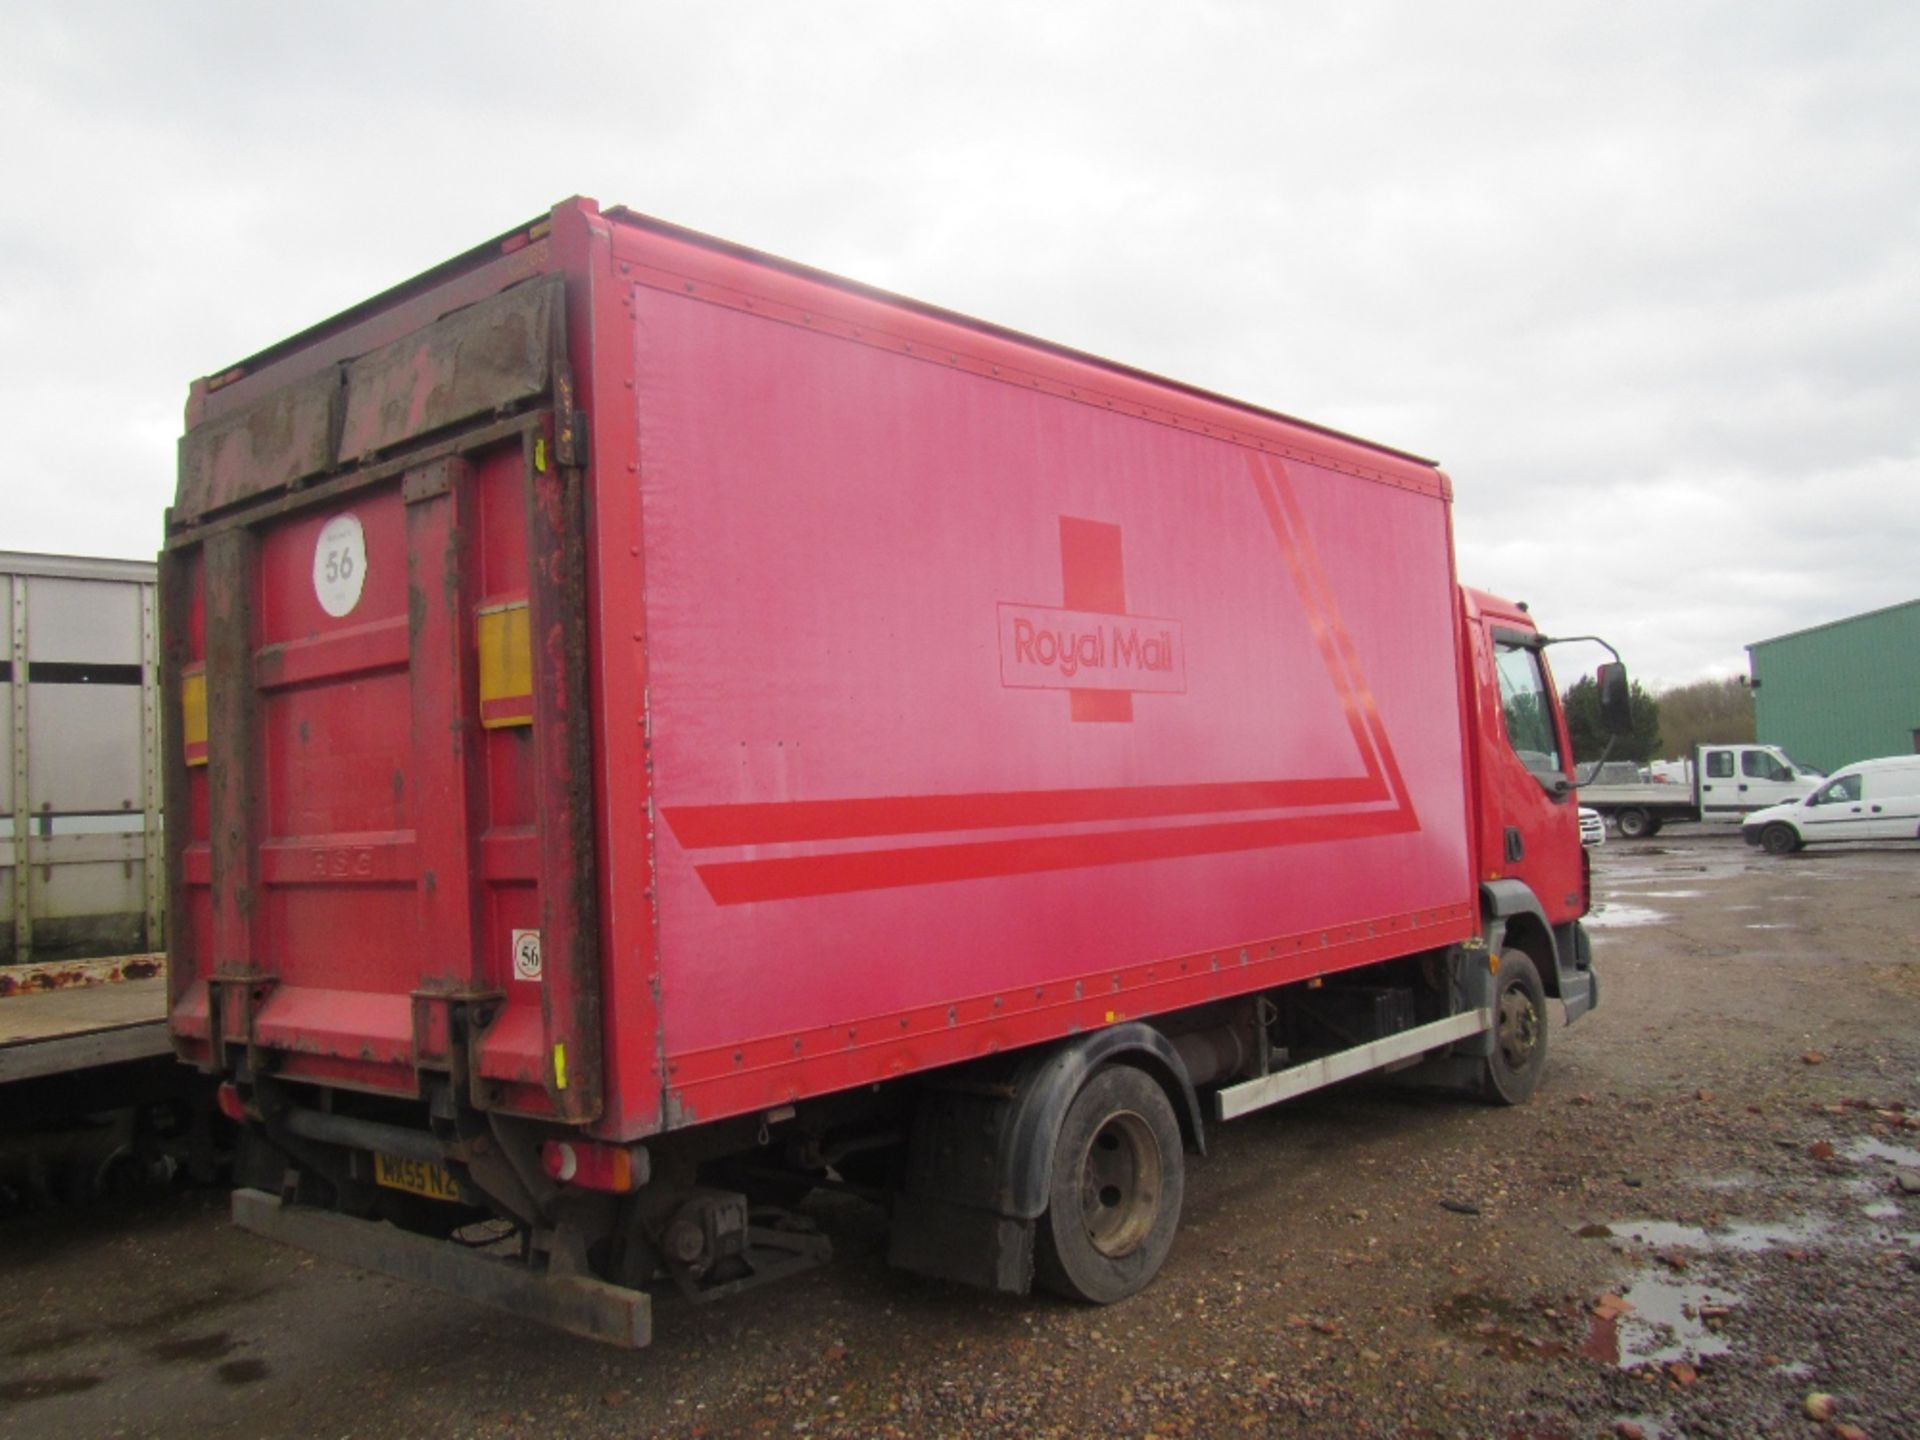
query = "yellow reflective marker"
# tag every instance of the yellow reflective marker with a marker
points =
(559, 1067)
(193, 713)
(505, 640)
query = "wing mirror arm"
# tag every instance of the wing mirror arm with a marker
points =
(1581, 781)
(1616, 705)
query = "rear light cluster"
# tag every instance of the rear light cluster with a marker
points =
(588, 1163)
(227, 1097)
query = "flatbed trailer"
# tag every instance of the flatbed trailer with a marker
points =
(1727, 782)
(72, 1016)
(85, 1073)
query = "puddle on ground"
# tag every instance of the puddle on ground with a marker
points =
(1668, 1323)
(1869, 1148)
(1674, 1314)
(242, 1372)
(1748, 1237)
(1609, 916)
(1739, 1180)
(1671, 894)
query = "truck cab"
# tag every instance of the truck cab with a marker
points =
(1533, 872)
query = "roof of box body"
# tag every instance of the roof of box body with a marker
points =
(523, 238)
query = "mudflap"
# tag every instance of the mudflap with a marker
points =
(579, 1304)
(1579, 981)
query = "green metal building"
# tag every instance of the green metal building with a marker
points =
(1848, 690)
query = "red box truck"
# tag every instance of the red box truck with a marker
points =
(661, 729)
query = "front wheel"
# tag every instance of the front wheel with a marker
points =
(1779, 839)
(1114, 1202)
(1519, 1031)
(1633, 824)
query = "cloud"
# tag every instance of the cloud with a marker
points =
(1645, 279)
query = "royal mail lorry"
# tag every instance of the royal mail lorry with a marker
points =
(1725, 783)
(661, 729)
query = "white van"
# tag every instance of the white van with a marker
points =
(1867, 800)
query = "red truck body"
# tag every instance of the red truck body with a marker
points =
(640, 682)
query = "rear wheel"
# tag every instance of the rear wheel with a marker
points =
(1117, 1184)
(1778, 839)
(1519, 1031)
(1633, 823)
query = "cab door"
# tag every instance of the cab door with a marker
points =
(1765, 780)
(1720, 784)
(1837, 811)
(1532, 826)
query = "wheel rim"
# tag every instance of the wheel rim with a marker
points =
(1519, 1029)
(1120, 1185)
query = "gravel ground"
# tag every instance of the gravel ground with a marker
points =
(1694, 1226)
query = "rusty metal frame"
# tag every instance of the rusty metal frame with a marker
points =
(153, 872)
(187, 536)
(22, 808)
(233, 786)
(570, 996)
(175, 602)
(447, 777)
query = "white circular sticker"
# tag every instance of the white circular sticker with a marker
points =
(526, 954)
(340, 565)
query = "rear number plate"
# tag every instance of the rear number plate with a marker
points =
(416, 1177)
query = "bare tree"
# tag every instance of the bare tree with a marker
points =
(1703, 713)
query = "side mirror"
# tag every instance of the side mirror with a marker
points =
(1616, 698)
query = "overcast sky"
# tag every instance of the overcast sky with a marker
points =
(1645, 278)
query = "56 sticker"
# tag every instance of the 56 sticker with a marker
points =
(340, 565)
(526, 954)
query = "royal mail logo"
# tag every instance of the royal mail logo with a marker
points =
(1042, 649)
(1090, 645)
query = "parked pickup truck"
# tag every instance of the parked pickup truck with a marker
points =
(1730, 782)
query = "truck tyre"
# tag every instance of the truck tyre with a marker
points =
(1114, 1201)
(1778, 839)
(1633, 823)
(1519, 1031)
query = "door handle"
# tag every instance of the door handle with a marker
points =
(1743, 785)
(1874, 808)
